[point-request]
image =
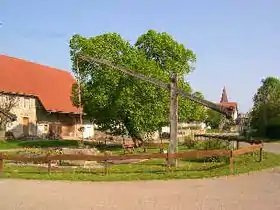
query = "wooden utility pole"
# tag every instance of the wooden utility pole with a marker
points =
(173, 144)
(81, 129)
(174, 92)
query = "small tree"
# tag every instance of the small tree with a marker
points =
(7, 103)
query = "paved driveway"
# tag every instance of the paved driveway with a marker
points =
(255, 191)
(272, 147)
(268, 147)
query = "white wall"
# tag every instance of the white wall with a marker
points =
(202, 125)
(89, 131)
(24, 107)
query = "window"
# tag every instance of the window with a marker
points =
(26, 103)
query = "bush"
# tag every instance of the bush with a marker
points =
(189, 142)
(212, 144)
(165, 135)
(273, 131)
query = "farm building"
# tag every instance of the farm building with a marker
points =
(41, 100)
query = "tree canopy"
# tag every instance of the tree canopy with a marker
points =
(265, 114)
(119, 102)
(213, 119)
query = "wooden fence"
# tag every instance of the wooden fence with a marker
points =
(227, 137)
(106, 159)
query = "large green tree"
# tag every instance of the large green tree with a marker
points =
(121, 103)
(213, 119)
(266, 109)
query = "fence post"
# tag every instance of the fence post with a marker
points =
(237, 144)
(49, 163)
(106, 165)
(49, 166)
(261, 154)
(1, 163)
(231, 163)
(167, 162)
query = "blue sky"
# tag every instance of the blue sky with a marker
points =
(237, 42)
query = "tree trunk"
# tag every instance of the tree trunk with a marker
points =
(137, 142)
(173, 144)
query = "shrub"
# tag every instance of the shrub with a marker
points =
(273, 131)
(214, 144)
(189, 142)
(165, 135)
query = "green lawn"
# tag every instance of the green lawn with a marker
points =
(13, 144)
(116, 149)
(148, 170)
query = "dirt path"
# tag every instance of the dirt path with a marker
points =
(255, 191)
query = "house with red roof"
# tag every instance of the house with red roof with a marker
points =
(229, 104)
(43, 104)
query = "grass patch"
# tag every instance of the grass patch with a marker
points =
(13, 144)
(148, 170)
(116, 149)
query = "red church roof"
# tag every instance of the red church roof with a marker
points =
(51, 86)
(229, 105)
(224, 101)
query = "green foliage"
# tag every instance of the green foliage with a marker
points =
(169, 54)
(265, 115)
(189, 142)
(213, 119)
(121, 103)
(212, 144)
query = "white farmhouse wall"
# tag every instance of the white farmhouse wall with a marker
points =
(89, 131)
(24, 108)
(39, 121)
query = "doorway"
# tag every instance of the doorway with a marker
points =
(25, 126)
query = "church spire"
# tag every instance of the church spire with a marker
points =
(224, 97)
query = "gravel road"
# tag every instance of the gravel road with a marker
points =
(258, 190)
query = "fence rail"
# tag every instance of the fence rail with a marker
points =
(105, 158)
(228, 137)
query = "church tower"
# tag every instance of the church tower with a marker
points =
(224, 98)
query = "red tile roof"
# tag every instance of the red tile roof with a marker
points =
(51, 86)
(229, 104)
